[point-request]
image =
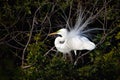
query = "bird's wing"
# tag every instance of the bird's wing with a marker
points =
(80, 43)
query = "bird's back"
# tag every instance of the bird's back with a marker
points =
(79, 42)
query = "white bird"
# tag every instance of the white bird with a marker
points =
(70, 40)
(75, 38)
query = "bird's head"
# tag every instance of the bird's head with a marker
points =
(62, 32)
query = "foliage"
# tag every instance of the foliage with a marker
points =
(16, 21)
(105, 67)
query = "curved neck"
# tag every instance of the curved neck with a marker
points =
(59, 41)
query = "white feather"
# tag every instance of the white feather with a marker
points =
(75, 39)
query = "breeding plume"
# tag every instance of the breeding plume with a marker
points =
(75, 38)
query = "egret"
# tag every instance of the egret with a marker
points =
(75, 38)
(70, 40)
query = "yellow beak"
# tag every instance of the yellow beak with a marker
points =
(52, 33)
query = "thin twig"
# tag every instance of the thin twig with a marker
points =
(34, 20)
(49, 51)
(81, 57)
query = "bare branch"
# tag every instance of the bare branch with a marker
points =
(32, 27)
(49, 51)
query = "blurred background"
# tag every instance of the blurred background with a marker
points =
(28, 53)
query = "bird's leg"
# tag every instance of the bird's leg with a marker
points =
(70, 56)
(75, 52)
(82, 59)
(77, 58)
(79, 53)
(64, 56)
(56, 53)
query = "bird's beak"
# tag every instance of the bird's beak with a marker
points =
(54, 33)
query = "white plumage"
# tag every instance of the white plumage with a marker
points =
(74, 39)
(68, 42)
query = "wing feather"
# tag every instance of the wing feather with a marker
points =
(80, 43)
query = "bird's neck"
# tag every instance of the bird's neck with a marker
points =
(59, 41)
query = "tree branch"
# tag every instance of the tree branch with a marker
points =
(33, 23)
